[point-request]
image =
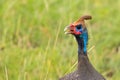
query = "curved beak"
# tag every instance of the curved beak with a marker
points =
(67, 30)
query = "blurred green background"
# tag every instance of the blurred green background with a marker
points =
(33, 45)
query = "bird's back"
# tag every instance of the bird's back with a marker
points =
(85, 71)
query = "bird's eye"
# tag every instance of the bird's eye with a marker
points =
(79, 26)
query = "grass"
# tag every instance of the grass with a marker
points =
(33, 45)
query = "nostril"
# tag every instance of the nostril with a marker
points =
(71, 30)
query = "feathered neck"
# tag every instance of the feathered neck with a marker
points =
(82, 41)
(83, 60)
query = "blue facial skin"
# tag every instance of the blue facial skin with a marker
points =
(84, 35)
(79, 29)
(85, 39)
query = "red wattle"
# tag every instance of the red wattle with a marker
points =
(77, 33)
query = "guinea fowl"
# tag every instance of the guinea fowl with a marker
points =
(85, 70)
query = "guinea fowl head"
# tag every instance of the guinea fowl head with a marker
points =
(79, 30)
